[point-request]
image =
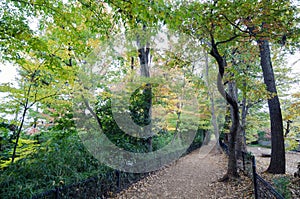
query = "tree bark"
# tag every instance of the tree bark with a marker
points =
(240, 144)
(277, 164)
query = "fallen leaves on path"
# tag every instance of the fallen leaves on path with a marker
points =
(191, 177)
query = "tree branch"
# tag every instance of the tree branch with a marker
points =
(235, 25)
(228, 40)
(92, 111)
(42, 98)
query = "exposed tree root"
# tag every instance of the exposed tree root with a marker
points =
(228, 177)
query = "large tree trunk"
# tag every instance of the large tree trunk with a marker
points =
(144, 57)
(235, 125)
(277, 164)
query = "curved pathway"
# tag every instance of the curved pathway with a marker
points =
(193, 176)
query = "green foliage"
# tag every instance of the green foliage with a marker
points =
(161, 139)
(261, 135)
(282, 186)
(257, 121)
(25, 147)
(61, 158)
(121, 139)
(140, 104)
(199, 137)
(58, 160)
(291, 115)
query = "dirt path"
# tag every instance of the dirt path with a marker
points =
(190, 177)
(195, 177)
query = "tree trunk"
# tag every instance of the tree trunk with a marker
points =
(287, 130)
(240, 144)
(243, 125)
(226, 126)
(232, 161)
(144, 54)
(277, 164)
(22, 123)
(212, 110)
(19, 132)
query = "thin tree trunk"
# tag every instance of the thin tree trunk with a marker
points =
(287, 130)
(21, 125)
(19, 133)
(177, 133)
(277, 164)
(212, 110)
(243, 123)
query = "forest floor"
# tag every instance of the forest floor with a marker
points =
(195, 176)
(292, 158)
